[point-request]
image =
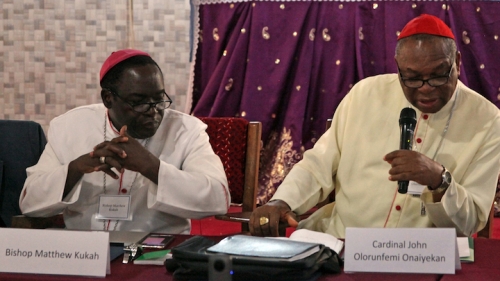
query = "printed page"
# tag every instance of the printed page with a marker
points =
(310, 236)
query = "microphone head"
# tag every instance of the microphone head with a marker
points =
(408, 116)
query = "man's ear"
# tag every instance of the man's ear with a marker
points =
(107, 98)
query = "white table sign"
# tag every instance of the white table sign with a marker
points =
(402, 250)
(63, 252)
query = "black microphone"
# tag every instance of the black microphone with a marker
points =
(407, 122)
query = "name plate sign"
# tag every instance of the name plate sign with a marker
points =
(63, 252)
(402, 250)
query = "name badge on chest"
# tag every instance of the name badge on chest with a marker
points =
(114, 207)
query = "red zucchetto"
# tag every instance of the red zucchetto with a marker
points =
(426, 24)
(117, 57)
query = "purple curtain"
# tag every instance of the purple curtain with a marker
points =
(289, 64)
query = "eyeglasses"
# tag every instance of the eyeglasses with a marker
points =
(146, 106)
(433, 82)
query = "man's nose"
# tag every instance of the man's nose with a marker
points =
(152, 111)
(426, 88)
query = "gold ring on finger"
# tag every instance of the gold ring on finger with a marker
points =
(263, 220)
(102, 159)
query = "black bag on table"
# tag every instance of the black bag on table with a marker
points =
(190, 262)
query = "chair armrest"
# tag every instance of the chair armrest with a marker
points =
(244, 218)
(241, 217)
(23, 221)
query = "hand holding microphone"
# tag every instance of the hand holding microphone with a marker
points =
(407, 164)
(407, 122)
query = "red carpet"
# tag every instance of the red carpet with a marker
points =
(212, 227)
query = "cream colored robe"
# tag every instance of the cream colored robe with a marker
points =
(191, 181)
(348, 158)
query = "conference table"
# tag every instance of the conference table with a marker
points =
(485, 267)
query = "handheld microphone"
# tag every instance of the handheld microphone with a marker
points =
(407, 122)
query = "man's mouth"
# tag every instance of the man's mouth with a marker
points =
(427, 103)
(150, 123)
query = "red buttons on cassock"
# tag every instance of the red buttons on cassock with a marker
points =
(426, 116)
(124, 190)
(419, 140)
(398, 207)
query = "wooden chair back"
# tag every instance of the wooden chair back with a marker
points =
(237, 142)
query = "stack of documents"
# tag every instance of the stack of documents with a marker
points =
(328, 240)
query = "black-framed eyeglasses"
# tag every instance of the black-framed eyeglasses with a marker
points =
(145, 106)
(433, 82)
